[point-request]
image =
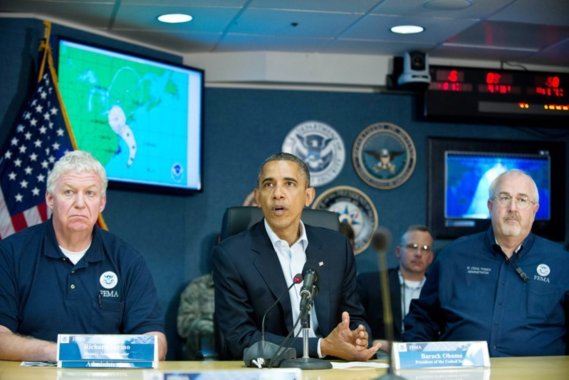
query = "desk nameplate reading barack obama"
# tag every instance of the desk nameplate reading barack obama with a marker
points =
(107, 351)
(424, 355)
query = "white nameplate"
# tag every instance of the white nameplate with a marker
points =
(247, 374)
(107, 351)
(445, 373)
(413, 355)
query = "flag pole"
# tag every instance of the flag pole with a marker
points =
(44, 46)
(47, 57)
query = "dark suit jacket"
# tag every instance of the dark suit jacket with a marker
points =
(248, 280)
(369, 290)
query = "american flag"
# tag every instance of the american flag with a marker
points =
(40, 138)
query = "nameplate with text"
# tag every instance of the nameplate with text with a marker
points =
(247, 374)
(414, 355)
(107, 351)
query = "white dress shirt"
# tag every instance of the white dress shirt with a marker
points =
(292, 259)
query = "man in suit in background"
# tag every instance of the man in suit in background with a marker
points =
(415, 254)
(253, 268)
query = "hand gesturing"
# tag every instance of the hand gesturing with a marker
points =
(348, 344)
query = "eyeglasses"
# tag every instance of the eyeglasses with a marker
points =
(521, 202)
(414, 246)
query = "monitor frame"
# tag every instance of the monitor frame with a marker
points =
(553, 229)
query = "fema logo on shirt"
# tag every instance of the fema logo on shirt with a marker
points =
(543, 271)
(109, 280)
(320, 147)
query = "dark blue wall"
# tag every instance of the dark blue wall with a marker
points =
(242, 127)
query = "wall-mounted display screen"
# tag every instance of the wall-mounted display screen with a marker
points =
(140, 117)
(468, 177)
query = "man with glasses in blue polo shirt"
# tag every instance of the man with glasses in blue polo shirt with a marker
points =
(415, 254)
(505, 286)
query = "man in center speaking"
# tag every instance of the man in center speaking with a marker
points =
(253, 268)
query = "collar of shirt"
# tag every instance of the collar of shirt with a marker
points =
(497, 250)
(412, 285)
(292, 258)
(73, 256)
(498, 247)
(303, 240)
(93, 254)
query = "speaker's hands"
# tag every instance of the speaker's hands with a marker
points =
(348, 344)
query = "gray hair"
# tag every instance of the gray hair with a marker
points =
(80, 162)
(497, 180)
(282, 156)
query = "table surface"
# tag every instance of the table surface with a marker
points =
(519, 368)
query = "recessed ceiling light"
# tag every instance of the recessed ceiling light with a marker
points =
(447, 5)
(407, 29)
(174, 18)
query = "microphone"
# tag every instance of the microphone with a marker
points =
(309, 288)
(521, 273)
(380, 241)
(308, 291)
(255, 355)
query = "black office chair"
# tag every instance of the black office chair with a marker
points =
(240, 218)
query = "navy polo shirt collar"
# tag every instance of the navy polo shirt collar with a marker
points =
(497, 250)
(93, 254)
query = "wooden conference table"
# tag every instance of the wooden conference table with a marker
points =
(550, 368)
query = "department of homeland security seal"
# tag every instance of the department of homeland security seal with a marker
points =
(109, 280)
(384, 155)
(320, 146)
(353, 206)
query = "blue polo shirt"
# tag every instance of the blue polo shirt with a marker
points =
(474, 293)
(109, 291)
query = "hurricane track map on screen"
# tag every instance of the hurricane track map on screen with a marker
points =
(131, 114)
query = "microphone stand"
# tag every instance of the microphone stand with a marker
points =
(259, 352)
(381, 247)
(306, 362)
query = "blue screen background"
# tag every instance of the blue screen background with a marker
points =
(468, 177)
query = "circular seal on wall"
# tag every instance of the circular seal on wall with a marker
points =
(384, 155)
(354, 207)
(320, 146)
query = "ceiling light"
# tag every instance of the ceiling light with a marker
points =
(174, 18)
(407, 29)
(447, 5)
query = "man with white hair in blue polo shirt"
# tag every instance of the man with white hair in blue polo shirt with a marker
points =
(67, 276)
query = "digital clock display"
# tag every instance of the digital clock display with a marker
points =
(491, 93)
